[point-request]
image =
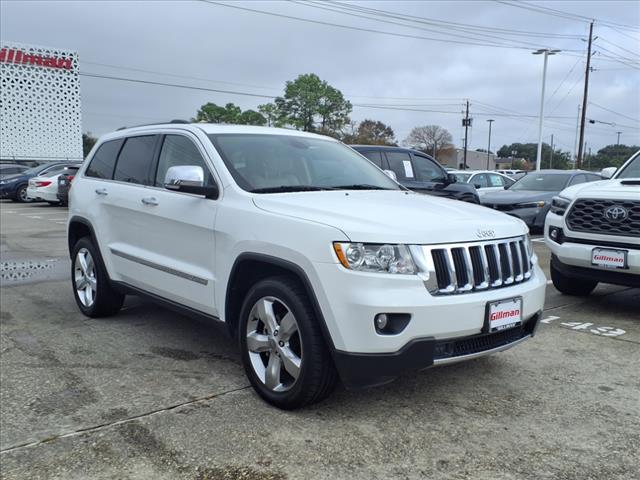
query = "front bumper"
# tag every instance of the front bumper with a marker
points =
(571, 254)
(533, 216)
(366, 370)
(7, 191)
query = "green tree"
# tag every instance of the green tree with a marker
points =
(270, 112)
(370, 132)
(88, 141)
(312, 105)
(610, 156)
(560, 160)
(251, 117)
(230, 113)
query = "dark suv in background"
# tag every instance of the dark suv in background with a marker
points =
(418, 171)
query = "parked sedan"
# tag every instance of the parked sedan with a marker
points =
(529, 198)
(418, 171)
(484, 180)
(45, 187)
(15, 186)
(7, 169)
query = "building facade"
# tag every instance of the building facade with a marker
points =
(454, 158)
(40, 106)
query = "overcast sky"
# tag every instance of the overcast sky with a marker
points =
(212, 46)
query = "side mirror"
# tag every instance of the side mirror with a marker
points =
(506, 187)
(451, 178)
(189, 179)
(477, 185)
(391, 174)
(608, 172)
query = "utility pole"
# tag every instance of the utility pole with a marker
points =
(551, 159)
(585, 146)
(489, 146)
(584, 98)
(465, 124)
(618, 142)
(575, 140)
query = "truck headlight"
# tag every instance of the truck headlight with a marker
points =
(375, 257)
(538, 204)
(559, 205)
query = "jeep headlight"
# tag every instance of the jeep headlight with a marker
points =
(375, 257)
(559, 205)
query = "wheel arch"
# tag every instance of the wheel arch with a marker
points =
(80, 227)
(250, 268)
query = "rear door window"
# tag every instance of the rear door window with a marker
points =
(104, 161)
(496, 180)
(135, 161)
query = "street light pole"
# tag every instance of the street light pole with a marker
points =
(546, 53)
(489, 146)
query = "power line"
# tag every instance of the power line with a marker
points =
(614, 112)
(562, 14)
(361, 29)
(464, 26)
(618, 46)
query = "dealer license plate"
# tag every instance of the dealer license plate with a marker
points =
(504, 314)
(609, 258)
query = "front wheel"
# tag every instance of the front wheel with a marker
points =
(283, 350)
(570, 285)
(92, 288)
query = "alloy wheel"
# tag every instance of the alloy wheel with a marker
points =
(274, 344)
(85, 277)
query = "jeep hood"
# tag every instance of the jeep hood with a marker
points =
(393, 216)
(622, 189)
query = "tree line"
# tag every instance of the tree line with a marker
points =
(311, 104)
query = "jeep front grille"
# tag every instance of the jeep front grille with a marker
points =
(588, 215)
(470, 267)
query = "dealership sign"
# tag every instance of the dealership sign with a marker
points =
(20, 57)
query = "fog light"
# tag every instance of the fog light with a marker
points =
(553, 233)
(381, 321)
(556, 234)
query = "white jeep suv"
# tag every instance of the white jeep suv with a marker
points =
(593, 232)
(320, 265)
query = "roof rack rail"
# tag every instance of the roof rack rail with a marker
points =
(151, 124)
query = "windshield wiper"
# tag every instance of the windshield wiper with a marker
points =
(289, 188)
(360, 186)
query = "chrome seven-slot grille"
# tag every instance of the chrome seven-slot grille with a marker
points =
(472, 267)
(588, 215)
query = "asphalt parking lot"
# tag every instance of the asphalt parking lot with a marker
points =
(151, 394)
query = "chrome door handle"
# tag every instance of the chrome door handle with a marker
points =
(101, 191)
(150, 201)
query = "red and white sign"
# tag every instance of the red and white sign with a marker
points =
(20, 57)
(505, 314)
(603, 257)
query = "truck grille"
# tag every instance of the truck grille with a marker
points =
(588, 215)
(472, 267)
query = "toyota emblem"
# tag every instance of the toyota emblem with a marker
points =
(616, 213)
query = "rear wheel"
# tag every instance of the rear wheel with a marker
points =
(283, 350)
(92, 288)
(570, 285)
(21, 195)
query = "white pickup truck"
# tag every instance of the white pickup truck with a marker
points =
(593, 232)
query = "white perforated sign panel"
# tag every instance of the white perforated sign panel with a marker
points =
(40, 117)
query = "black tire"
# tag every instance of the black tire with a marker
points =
(21, 195)
(317, 376)
(570, 285)
(106, 300)
(55, 204)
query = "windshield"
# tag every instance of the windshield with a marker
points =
(463, 177)
(632, 170)
(275, 163)
(542, 182)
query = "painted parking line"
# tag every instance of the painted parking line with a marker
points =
(587, 327)
(538, 240)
